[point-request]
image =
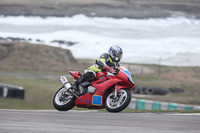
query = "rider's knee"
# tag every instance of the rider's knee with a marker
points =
(89, 75)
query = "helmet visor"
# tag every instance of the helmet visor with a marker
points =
(117, 56)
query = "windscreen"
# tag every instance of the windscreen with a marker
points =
(127, 73)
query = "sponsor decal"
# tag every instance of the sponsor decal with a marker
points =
(63, 78)
(85, 101)
(97, 100)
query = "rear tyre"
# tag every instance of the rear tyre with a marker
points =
(120, 103)
(63, 100)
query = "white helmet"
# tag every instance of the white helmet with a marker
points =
(115, 53)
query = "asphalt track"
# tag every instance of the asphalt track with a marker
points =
(52, 121)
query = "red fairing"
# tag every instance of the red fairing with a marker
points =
(102, 83)
(124, 80)
(75, 74)
(100, 74)
(105, 84)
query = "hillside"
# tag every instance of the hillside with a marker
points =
(26, 56)
(103, 8)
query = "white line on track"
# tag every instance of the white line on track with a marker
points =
(182, 114)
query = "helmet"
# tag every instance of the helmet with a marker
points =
(115, 53)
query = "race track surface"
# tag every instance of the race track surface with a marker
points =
(52, 121)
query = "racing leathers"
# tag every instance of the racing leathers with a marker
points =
(104, 63)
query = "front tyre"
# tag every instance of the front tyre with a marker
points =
(63, 100)
(120, 103)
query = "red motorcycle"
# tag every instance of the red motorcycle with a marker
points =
(109, 90)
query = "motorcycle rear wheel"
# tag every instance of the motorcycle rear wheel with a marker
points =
(120, 103)
(63, 100)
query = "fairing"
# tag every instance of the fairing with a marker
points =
(102, 83)
(75, 74)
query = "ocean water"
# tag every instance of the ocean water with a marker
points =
(173, 41)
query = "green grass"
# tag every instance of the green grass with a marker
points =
(39, 92)
(35, 72)
(186, 78)
(9, 103)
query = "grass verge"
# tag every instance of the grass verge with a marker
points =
(39, 92)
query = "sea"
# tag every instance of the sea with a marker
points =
(172, 41)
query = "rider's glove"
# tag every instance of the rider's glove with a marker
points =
(109, 69)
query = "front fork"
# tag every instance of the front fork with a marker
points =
(115, 92)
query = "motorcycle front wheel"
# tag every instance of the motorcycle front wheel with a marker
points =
(63, 100)
(120, 102)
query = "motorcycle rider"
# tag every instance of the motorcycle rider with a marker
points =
(106, 62)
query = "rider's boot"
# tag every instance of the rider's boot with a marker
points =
(76, 84)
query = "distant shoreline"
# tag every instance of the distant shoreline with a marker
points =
(138, 9)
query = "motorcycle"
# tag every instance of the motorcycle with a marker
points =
(108, 90)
